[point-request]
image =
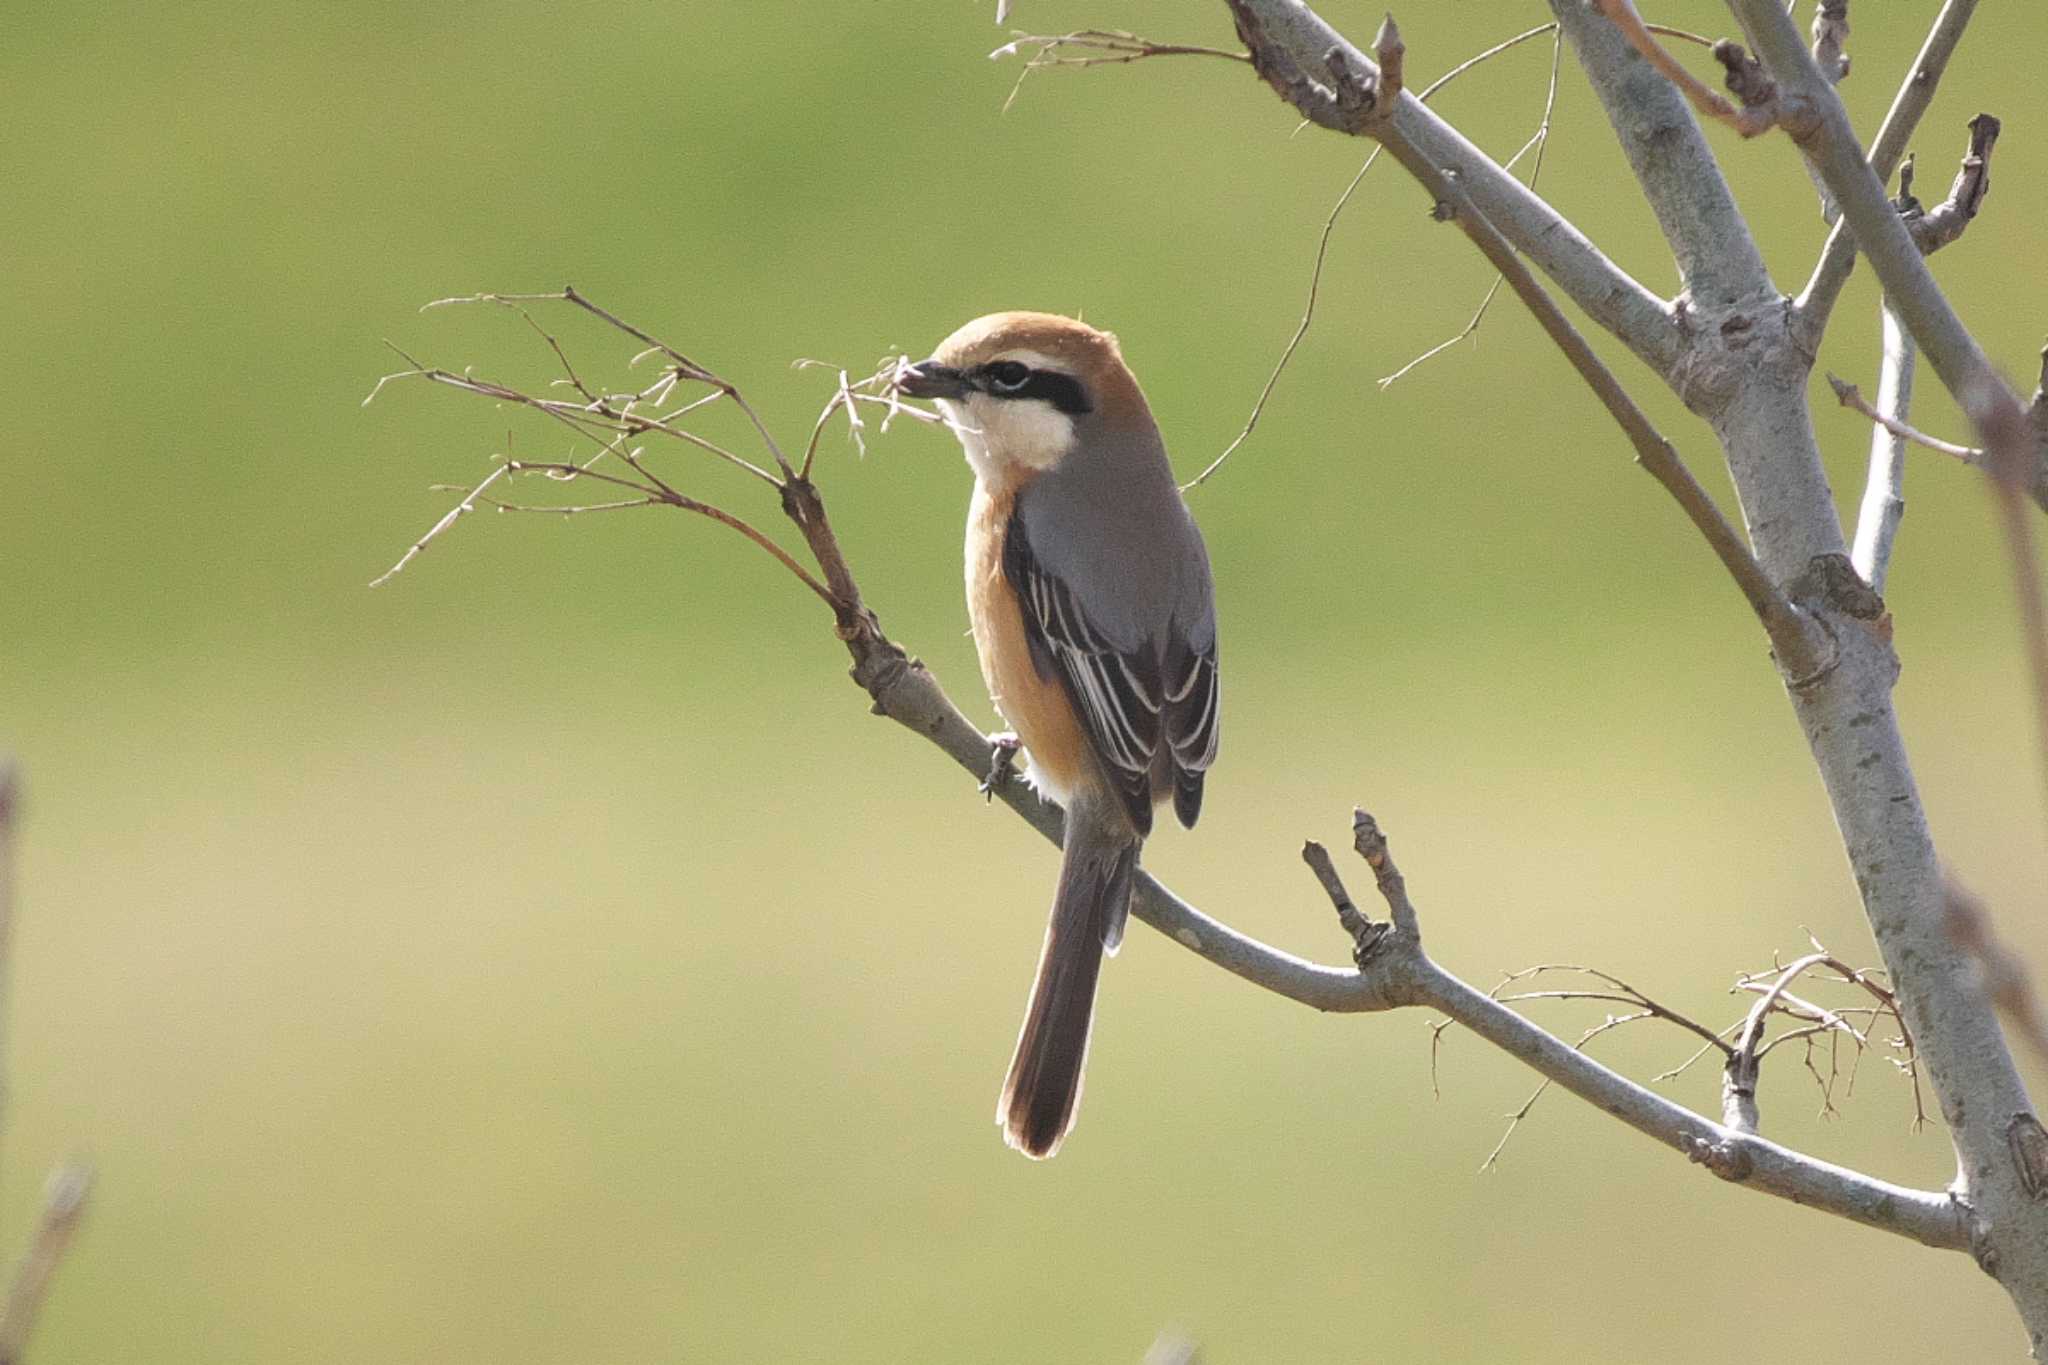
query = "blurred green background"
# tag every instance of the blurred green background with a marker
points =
(545, 957)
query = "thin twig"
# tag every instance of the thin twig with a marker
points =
(1109, 47)
(1793, 637)
(1540, 141)
(1621, 993)
(1308, 312)
(687, 504)
(1916, 91)
(1349, 917)
(1739, 1106)
(460, 509)
(1935, 228)
(1315, 278)
(1371, 845)
(64, 1200)
(1775, 994)
(622, 420)
(1330, 223)
(1852, 397)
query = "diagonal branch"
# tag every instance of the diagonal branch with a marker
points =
(1794, 638)
(1323, 76)
(1817, 301)
(1911, 290)
(1989, 1112)
(1393, 972)
(64, 1201)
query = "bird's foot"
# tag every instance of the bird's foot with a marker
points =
(1002, 763)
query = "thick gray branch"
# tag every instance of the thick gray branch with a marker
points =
(1291, 47)
(1863, 759)
(1717, 257)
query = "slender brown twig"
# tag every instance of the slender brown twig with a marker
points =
(1540, 141)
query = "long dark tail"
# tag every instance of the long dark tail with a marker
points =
(1043, 1090)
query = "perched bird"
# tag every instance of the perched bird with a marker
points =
(1088, 587)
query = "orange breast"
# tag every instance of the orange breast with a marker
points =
(1036, 708)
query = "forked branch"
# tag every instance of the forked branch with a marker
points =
(1392, 971)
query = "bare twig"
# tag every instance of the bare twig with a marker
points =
(1371, 845)
(459, 510)
(1739, 1107)
(1794, 638)
(1852, 397)
(1315, 277)
(1817, 301)
(1774, 994)
(1950, 348)
(1539, 141)
(1935, 228)
(1349, 917)
(1396, 974)
(1308, 312)
(1618, 992)
(1099, 47)
(620, 415)
(1291, 47)
(64, 1200)
(1831, 38)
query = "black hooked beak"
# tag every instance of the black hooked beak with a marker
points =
(930, 379)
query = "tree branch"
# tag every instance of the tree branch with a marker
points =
(1956, 1034)
(1794, 639)
(1758, 112)
(1911, 289)
(64, 1200)
(1717, 258)
(1817, 301)
(1300, 57)
(1932, 229)
(1883, 415)
(1393, 971)
(1884, 503)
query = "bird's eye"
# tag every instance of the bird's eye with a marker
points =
(1007, 376)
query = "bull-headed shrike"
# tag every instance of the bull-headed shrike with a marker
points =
(1088, 587)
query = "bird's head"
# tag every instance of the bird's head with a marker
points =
(1022, 389)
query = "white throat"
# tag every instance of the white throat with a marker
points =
(1006, 434)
